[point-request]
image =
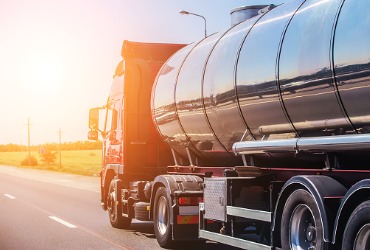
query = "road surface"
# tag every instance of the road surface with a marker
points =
(48, 210)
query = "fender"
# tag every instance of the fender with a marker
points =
(319, 187)
(110, 171)
(117, 169)
(175, 183)
(351, 200)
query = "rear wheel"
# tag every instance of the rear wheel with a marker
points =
(161, 216)
(301, 226)
(115, 209)
(357, 233)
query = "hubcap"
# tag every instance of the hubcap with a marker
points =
(111, 200)
(362, 240)
(302, 230)
(311, 233)
(162, 215)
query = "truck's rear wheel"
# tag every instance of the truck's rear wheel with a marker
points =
(115, 210)
(357, 233)
(161, 216)
(301, 226)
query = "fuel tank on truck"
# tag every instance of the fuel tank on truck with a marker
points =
(301, 69)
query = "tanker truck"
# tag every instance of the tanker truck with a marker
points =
(256, 137)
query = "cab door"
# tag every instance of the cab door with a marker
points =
(113, 145)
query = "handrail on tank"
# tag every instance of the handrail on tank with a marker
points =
(309, 144)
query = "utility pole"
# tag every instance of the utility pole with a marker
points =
(29, 142)
(60, 148)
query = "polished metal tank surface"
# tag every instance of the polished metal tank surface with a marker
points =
(299, 70)
(256, 81)
(188, 96)
(305, 77)
(163, 104)
(351, 58)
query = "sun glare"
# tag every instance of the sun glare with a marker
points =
(42, 76)
(45, 76)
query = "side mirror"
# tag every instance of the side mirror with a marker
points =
(93, 135)
(94, 119)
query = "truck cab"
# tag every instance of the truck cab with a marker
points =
(111, 116)
(135, 158)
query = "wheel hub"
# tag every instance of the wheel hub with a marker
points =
(162, 215)
(302, 229)
(110, 203)
(362, 240)
(311, 233)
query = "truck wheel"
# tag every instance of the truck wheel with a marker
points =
(301, 226)
(115, 210)
(357, 233)
(161, 216)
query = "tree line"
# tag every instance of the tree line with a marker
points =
(79, 145)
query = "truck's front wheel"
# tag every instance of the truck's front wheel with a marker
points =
(162, 226)
(114, 208)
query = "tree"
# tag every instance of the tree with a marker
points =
(48, 156)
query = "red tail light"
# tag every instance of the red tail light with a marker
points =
(190, 201)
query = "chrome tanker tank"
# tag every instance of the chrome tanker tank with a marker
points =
(299, 70)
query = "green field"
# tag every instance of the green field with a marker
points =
(82, 162)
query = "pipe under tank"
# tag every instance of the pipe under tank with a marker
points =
(299, 70)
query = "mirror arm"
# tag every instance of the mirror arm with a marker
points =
(104, 134)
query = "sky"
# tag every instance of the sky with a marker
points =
(57, 57)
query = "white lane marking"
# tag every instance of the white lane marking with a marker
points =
(102, 237)
(9, 196)
(62, 222)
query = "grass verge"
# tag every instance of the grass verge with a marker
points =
(82, 162)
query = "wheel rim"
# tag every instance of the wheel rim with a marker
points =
(362, 240)
(302, 229)
(111, 200)
(162, 214)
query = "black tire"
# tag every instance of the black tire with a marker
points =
(357, 233)
(141, 211)
(115, 209)
(161, 216)
(301, 226)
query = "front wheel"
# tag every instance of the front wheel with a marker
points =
(301, 226)
(114, 208)
(161, 216)
(357, 233)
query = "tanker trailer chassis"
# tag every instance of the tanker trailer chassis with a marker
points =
(272, 208)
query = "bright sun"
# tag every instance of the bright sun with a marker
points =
(45, 74)
(42, 76)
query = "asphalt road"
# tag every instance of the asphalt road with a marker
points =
(48, 210)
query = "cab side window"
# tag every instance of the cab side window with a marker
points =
(113, 126)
